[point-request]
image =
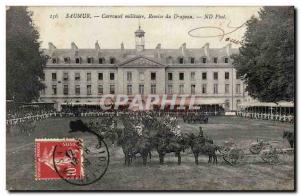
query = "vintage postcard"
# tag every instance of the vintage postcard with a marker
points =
(153, 98)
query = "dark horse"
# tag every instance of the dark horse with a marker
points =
(290, 137)
(201, 145)
(167, 144)
(132, 144)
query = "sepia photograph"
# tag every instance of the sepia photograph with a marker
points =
(150, 98)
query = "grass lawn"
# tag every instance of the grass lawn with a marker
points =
(251, 174)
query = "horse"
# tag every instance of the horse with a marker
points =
(168, 144)
(132, 144)
(290, 137)
(201, 145)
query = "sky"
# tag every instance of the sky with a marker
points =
(169, 32)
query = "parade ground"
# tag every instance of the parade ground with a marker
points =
(250, 174)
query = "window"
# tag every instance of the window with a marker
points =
(153, 76)
(54, 60)
(141, 89)
(88, 76)
(77, 90)
(225, 60)
(66, 76)
(153, 89)
(181, 60)
(112, 89)
(193, 76)
(215, 88)
(192, 60)
(181, 89)
(112, 76)
(226, 88)
(204, 75)
(227, 105)
(67, 60)
(90, 60)
(193, 89)
(129, 89)
(100, 76)
(89, 89)
(181, 76)
(100, 89)
(215, 60)
(54, 90)
(204, 88)
(238, 89)
(237, 76)
(54, 77)
(141, 76)
(226, 75)
(238, 104)
(129, 76)
(169, 60)
(112, 60)
(215, 75)
(204, 60)
(170, 89)
(170, 76)
(101, 60)
(77, 76)
(77, 61)
(66, 90)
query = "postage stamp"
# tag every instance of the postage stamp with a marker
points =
(65, 163)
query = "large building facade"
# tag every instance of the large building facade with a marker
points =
(84, 75)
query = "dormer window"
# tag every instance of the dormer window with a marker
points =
(170, 60)
(101, 60)
(90, 60)
(54, 60)
(181, 60)
(226, 60)
(77, 60)
(112, 60)
(192, 60)
(67, 60)
(203, 60)
(215, 60)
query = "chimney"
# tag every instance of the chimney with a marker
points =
(157, 50)
(228, 49)
(206, 49)
(51, 46)
(73, 46)
(97, 46)
(183, 49)
(122, 46)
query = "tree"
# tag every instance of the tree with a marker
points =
(266, 58)
(24, 59)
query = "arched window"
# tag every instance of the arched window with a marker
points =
(112, 60)
(78, 60)
(170, 60)
(226, 59)
(54, 60)
(204, 60)
(192, 60)
(101, 60)
(90, 60)
(180, 60)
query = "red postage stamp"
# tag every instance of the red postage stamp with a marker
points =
(58, 158)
